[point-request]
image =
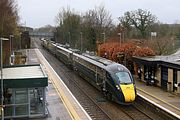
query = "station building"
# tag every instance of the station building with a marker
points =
(24, 91)
(164, 71)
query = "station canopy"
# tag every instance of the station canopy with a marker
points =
(172, 60)
(24, 76)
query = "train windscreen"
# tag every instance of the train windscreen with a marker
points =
(123, 78)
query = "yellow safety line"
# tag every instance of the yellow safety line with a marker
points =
(73, 116)
(159, 99)
(57, 90)
(65, 100)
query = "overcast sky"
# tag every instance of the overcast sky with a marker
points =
(38, 13)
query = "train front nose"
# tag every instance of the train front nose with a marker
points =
(128, 92)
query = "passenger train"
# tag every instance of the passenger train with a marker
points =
(113, 79)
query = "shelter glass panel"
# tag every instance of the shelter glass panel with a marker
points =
(36, 101)
(21, 110)
(21, 96)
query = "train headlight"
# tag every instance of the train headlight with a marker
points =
(117, 86)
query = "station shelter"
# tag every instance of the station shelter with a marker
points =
(163, 71)
(24, 91)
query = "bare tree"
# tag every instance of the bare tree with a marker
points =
(92, 24)
(46, 28)
(68, 27)
(125, 23)
(96, 22)
(140, 19)
(162, 45)
(9, 18)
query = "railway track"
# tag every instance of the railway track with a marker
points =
(90, 106)
(92, 100)
(159, 101)
(134, 113)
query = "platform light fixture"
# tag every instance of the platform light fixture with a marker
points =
(11, 47)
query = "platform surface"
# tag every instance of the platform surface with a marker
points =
(163, 98)
(55, 107)
(61, 104)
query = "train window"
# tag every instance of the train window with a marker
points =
(123, 77)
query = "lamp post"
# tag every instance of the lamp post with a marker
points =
(2, 97)
(20, 40)
(103, 36)
(81, 40)
(11, 47)
(119, 38)
(69, 37)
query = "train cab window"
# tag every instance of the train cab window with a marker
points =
(123, 77)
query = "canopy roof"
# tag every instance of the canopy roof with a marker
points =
(24, 76)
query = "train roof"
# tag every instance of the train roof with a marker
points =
(75, 50)
(99, 59)
(103, 63)
(109, 65)
(96, 60)
(90, 60)
(62, 48)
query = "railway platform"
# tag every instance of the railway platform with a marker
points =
(56, 98)
(170, 102)
(61, 104)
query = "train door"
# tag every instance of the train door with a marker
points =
(164, 77)
(99, 75)
(110, 87)
(70, 59)
(109, 80)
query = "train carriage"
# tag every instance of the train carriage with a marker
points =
(89, 70)
(113, 79)
(64, 55)
(51, 47)
(103, 74)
